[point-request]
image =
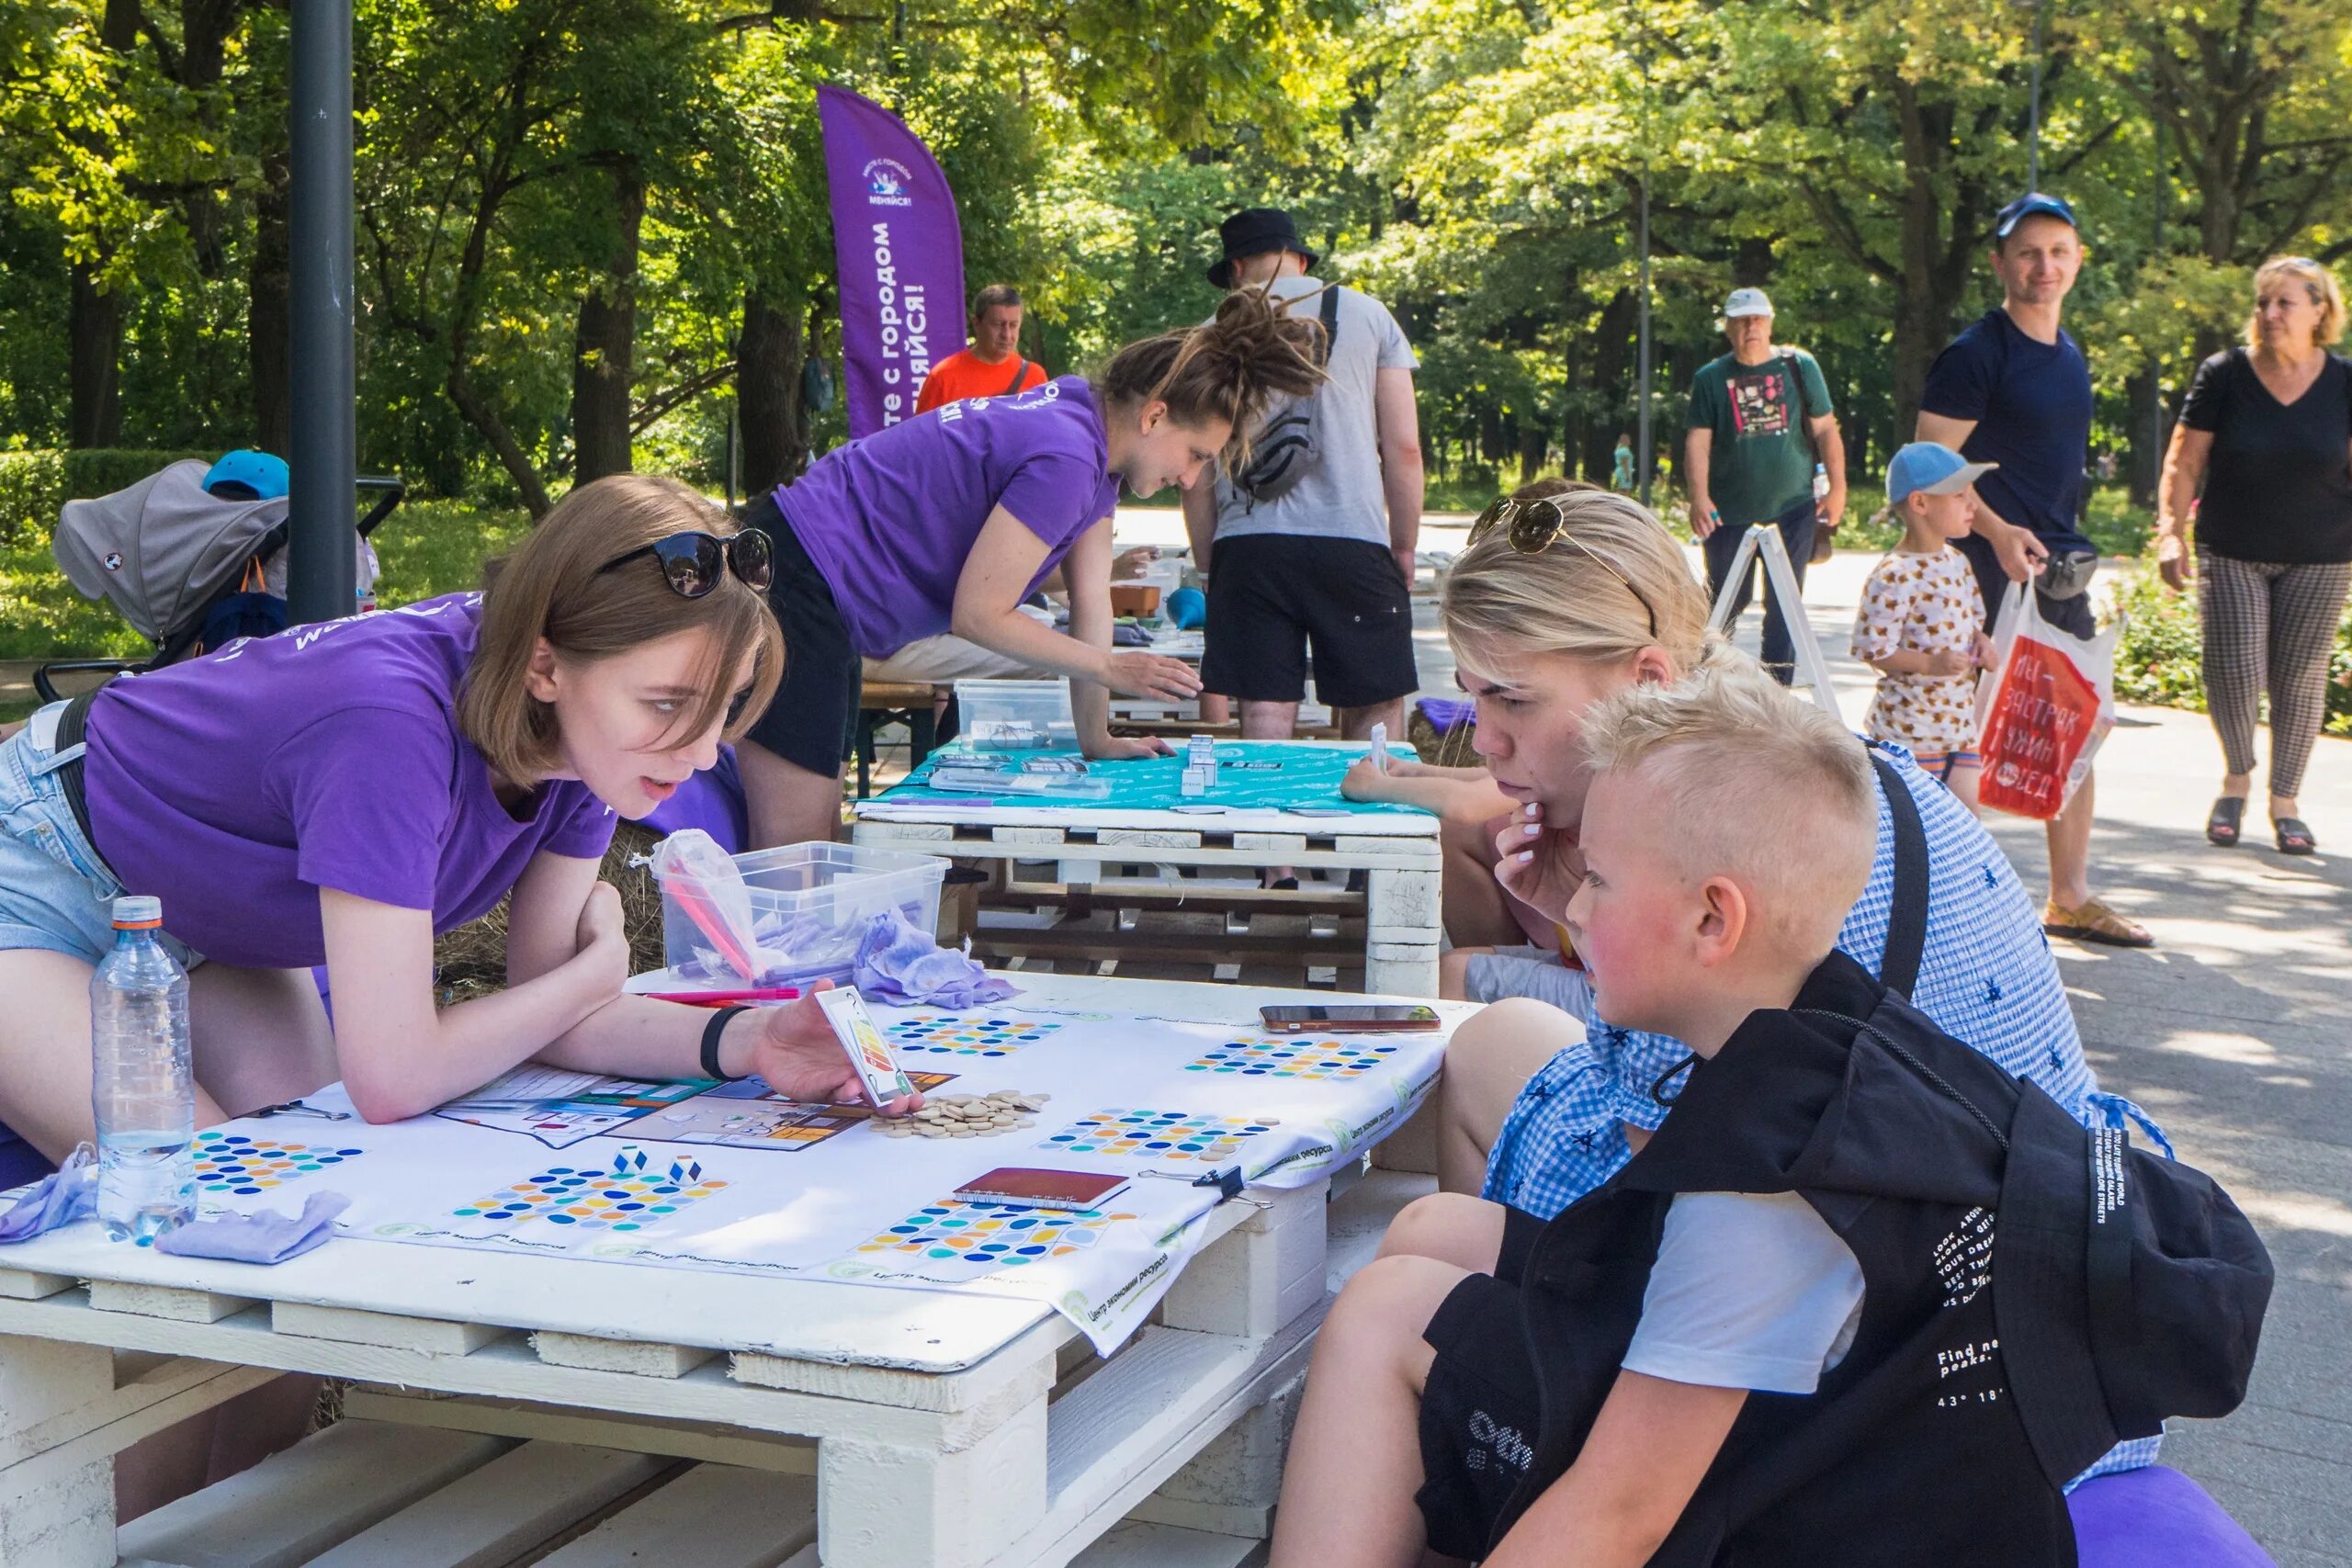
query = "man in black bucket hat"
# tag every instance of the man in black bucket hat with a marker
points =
(1257, 232)
(1309, 545)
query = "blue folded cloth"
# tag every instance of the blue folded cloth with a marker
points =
(265, 1237)
(54, 1200)
(899, 963)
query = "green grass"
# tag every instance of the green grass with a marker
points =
(427, 547)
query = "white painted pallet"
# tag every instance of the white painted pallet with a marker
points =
(492, 1419)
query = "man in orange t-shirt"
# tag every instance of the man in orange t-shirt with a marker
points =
(992, 366)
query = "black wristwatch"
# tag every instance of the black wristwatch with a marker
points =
(710, 1034)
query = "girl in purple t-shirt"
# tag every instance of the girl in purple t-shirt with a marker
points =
(341, 794)
(948, 520)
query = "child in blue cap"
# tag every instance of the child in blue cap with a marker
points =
(1922, 624)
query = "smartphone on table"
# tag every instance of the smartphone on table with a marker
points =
(1349, 1018)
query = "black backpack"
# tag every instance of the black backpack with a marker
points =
(1286, 447)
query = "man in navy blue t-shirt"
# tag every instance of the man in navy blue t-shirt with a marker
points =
(2012, 388)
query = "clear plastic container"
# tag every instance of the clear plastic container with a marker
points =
(1016, 715)
(811, 908)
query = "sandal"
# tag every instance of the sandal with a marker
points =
(2295, 839)
(2221, 826)
(2094, 921)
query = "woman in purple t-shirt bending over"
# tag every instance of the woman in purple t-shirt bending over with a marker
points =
(948, 520)
(341, 794)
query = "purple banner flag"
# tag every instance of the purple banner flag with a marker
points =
(901, 253)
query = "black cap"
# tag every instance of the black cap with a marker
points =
(2126, 1287)
(1252, 231)
(2030, 204)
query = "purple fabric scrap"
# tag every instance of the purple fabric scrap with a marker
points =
(54, 1200)
(901, 964)
(265, 1237)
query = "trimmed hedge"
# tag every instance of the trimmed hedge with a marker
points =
(33, 485)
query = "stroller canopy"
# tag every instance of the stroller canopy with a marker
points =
(160, 549)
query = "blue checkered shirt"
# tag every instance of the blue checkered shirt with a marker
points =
(1986, 977)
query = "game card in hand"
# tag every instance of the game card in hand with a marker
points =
(869, 1052)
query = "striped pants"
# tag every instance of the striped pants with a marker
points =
(2267, 624)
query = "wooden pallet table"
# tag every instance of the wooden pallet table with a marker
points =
(1118, 859)
(510, 1407)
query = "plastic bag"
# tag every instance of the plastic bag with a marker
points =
(708, 886)
(2043, 709)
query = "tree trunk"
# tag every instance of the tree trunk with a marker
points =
(95, 345)
(1534, 445)
(485, 419)
(768, 359)
(205, 28)
(1613, 365)
(604, 342)
(94, 322)
(1751, 265)
(269, 319)
(2143, 395)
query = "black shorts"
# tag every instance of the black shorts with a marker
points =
(2073, 615)
(814, 717)
(1271, 594)
(1479, 1413)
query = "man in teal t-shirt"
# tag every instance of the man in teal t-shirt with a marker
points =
(1759, 420)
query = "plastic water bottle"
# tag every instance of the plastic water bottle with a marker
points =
(142, 1087)
(1820, 483)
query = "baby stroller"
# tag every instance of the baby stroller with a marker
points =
(191, 556)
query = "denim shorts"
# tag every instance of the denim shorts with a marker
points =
(56, 895)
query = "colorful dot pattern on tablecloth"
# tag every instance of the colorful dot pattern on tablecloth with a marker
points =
(972, 1238)
(947, 1035)
(1157, 1134)
(594, 1199)
(238, 1166)
(1290, 1058)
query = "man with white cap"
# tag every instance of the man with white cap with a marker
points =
(1760, 422)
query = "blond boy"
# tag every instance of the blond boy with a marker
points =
(1605, 1388)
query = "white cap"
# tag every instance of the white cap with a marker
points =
(1746, 302)
(134, 910)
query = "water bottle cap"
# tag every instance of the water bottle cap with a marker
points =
(138, 913)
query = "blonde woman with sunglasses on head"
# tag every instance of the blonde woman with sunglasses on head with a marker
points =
(1557, 603)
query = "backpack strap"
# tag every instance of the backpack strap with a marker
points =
(1330, 312)
(1020, 374)
(1906, 918)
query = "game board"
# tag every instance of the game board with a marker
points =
(750, 1115)
(1158, 1084)
(1289, 1056)
(958, 1238)
(1120, 1133)
(236, 1163)
(948, 1035)
(559, 1109)
(1252, 776)
(633, 1193)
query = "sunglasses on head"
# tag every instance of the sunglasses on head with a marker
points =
(1532, 526)
(693, 564)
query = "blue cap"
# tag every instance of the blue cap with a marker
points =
(2029, 204)
(1926, 468)
(246, 475)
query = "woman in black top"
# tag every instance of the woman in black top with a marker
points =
(2266, 432)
